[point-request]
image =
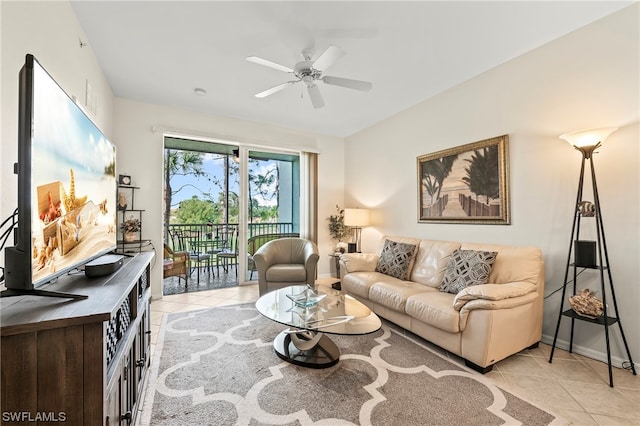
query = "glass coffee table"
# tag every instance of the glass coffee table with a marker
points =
(311, 314)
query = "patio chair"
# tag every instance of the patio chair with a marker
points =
(191, 242)
(177, 264)
(229, 254)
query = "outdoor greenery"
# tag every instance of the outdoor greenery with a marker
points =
(216, 204)
(263, 186)
(179, 163)
(196, 210)
(263, 214)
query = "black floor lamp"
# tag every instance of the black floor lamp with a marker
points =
(587, 254)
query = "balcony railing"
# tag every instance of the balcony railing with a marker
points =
(219, 231)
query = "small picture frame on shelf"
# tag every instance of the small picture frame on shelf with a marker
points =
(122, 201)
(124, 179)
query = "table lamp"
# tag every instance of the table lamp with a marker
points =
(356, 219)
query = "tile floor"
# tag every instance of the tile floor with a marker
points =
(573, 386)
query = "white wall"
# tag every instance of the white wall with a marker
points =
(139, 135)
(51, 32)
(586, 79)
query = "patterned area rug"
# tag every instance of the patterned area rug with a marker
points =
(218, 367)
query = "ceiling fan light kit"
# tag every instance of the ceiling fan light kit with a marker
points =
(309, 72)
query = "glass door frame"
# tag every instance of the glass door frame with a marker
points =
(244, 151)
(243, 216)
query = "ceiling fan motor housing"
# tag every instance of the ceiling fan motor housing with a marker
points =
(305, 72)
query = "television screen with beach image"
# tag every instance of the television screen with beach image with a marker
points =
(73, 188)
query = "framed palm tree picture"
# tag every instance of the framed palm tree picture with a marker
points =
(466, 184)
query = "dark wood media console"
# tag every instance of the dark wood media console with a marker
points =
(78, 362)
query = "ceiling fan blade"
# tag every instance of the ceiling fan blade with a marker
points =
(365, 86)
(268, 63)
(328, 58)
(274, 89)
(315, 96)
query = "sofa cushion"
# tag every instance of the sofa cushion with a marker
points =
(396, 259)
(359, 262)
(393, 293)
(514, 263)
(358, 283)
(434, 308)
(467, 267)
(431, 261)
(492, 292)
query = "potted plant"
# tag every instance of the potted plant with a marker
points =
(130, 227)
(337, 229)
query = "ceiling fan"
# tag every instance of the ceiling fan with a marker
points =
(309, 72)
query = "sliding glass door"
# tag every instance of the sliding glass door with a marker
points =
(232, 199)
(273, 205)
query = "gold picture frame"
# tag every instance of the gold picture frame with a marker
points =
(466, 184)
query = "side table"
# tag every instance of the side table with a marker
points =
(336, 259)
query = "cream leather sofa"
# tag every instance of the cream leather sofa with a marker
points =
(482, 323)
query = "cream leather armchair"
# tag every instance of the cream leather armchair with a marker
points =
(284, 262)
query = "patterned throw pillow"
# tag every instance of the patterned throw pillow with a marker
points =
(466, 268)
(396, 258)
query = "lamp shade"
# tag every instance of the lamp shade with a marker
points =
(356, 217)
(585, 138)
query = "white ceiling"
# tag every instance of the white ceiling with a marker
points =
(160, 51)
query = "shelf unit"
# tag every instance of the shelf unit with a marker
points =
(601, 266)
(83, 362)
(129, 210)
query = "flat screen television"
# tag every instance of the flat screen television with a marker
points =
(66, 186)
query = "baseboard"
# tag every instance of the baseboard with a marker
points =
(588, 352)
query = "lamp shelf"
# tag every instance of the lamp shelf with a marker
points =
(587, 142)
(604, 268)
(129, 211)
(134, 242)
(600, 320)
